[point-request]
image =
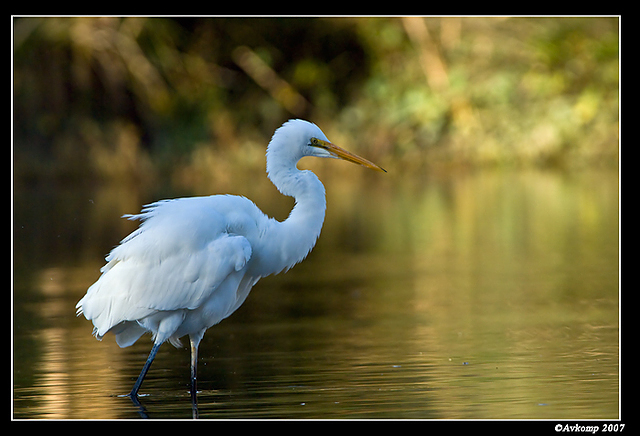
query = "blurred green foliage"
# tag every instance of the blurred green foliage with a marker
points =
(131, 98)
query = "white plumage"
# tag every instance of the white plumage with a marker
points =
(192, 261)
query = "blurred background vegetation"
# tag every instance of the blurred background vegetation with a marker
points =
(191, 101)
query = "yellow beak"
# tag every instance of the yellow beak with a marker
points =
(345, 155)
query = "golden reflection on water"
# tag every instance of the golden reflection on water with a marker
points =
(486, 295)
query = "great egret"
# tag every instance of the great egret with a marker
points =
(192, 261)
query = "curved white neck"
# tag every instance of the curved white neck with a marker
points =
(297, 235)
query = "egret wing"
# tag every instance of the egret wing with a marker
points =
(176, 260)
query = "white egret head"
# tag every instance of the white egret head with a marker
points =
(296, 139)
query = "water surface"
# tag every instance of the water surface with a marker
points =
(484, 295)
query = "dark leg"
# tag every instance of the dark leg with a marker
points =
(194, 369)
(143, 373)
(194, 340)
(194, 374)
